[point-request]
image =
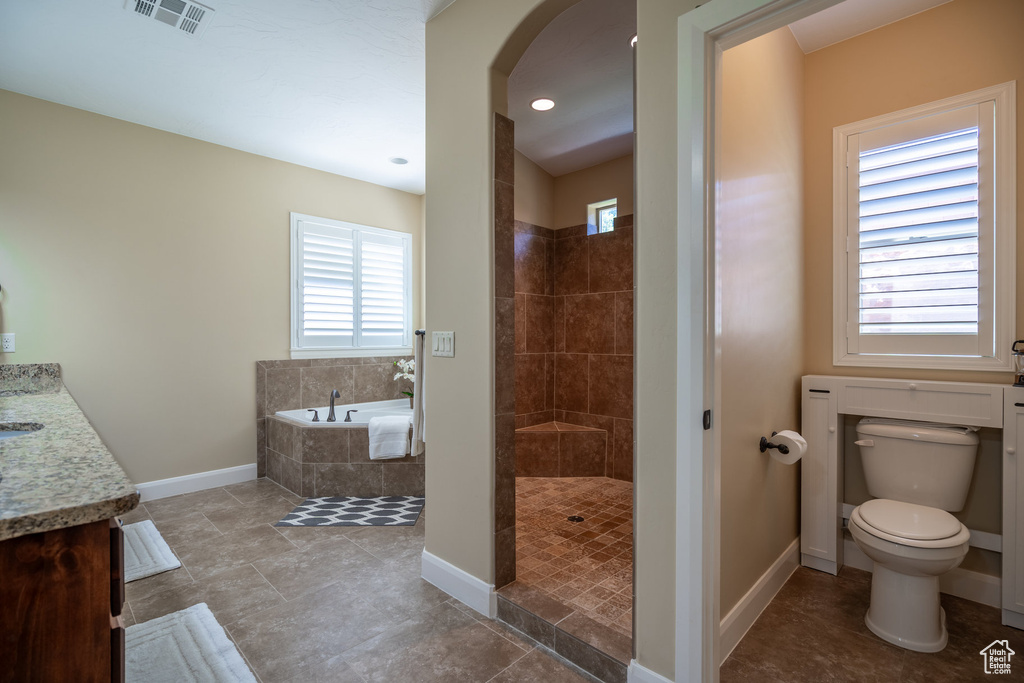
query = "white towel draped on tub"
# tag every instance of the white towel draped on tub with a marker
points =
(389, 437)
(418, 415)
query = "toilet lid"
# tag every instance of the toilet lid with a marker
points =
(907, 520)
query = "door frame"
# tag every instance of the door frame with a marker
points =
(703, 35)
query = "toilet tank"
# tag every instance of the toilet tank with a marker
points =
(918, 462)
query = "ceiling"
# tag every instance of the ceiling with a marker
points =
(583, 61)
(339, 85)
(335, 85)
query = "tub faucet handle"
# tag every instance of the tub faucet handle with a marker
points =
(348, 415)
(316, 415)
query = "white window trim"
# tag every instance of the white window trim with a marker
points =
(1005, 215)
(295, 317)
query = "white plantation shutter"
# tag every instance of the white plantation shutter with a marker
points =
(384, 315)
(919, 222)
(328, 286)
(919, 235)
(351, 286)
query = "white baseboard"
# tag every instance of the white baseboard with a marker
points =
(459, 584)
(742, 616)
(962, 583)
(1014, 619)
(637, 673)
(190, 483)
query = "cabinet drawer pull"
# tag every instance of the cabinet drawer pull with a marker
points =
(1011, 450)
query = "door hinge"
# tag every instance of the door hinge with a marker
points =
(707, 419)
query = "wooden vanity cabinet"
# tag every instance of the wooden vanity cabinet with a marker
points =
(61, 594)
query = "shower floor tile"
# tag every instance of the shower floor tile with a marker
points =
(585, 565)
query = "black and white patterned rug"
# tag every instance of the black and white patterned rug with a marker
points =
(349, 511)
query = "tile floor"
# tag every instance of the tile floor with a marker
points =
(586, 566)
(318, 605)
(814, 631)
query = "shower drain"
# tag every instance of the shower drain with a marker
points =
(575, 518)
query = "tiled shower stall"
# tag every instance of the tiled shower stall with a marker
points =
(574, 351)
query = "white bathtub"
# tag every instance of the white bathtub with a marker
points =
(359, 419)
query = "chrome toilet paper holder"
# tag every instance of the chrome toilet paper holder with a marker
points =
(766, 444)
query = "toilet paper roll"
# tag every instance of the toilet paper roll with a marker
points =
(792, 440)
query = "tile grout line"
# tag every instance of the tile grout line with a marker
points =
(516, 661)
(245, 657)
(272, 586)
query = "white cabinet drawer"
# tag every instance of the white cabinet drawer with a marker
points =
(963, 403)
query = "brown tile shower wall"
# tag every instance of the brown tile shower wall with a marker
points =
(574, 333)
(535, 324)
(294, 384)
(504, 353)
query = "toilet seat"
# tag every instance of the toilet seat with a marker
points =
(917, 526)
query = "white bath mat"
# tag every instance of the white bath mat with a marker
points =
(146, 552)
(350, 511)
(184, 647)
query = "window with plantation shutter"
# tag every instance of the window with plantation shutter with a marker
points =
(351, 287)
(925, 235)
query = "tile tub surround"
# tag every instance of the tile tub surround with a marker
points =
(300, 384)
(343, 604)
(574, 333)
(814, 630)
(61, 475)
(335, 461)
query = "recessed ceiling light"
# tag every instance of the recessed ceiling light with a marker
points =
(632, 41)
(399, 160)
(542, 104)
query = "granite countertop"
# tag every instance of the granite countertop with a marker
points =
(61, 475)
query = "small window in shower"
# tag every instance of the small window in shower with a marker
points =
(601, 216)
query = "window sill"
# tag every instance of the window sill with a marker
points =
(328, 352)
(977, 364)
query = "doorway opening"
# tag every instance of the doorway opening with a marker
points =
(565, 488)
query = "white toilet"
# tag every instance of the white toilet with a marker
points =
(916, 471)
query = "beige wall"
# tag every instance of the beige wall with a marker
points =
(573, 191)
(154, 268)
(561, 202)
(462, 43)
(952, 49)
(760, 229)
(535, 193)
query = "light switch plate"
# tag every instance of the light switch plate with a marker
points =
(443, 344)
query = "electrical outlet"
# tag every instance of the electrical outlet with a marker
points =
(7, 340)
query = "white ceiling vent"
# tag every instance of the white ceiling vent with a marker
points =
(188, 16)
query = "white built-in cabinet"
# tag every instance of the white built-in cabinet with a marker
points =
(826, 399)
(1013, 507)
